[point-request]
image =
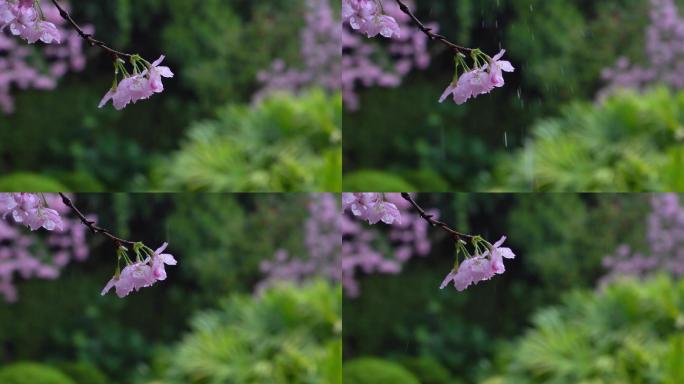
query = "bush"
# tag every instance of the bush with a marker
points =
(631, 143)
(27, 182)
(376, 371)
(34, 373)
(428, 370)
(285, 143)
(289, 335)
(631, 333)
(84, 373)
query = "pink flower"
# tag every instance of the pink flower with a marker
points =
(478, 81)
(27, 209)
(43, 31)
(158, 261)
(24, 21)
(372, 207)
(498, 253)
(496, 68)
(156, 73)
(138, 87)
(132, 278)
(141, 274)
(365, 16)
(480, 267)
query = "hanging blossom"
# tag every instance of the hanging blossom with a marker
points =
(486, 72)
(663, 50)
(28, 255)
(367, 17)
(40, 66)
(478, 81)
(35, 212)
(486, 261)
(478, 267)
(145, 81)
(30, 209)
(25, 18)
(144, 272)
(373, 207)
(665, 245)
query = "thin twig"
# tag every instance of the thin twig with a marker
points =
(432, 221)
(87, 36)
(428, 31)
(91, 224)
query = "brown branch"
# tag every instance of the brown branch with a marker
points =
(434, 222)
(91, 224)
(87, 36)
(428, 31)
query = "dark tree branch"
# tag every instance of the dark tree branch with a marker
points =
(86, 36)
(92, 226)
(434, 222)
(428, 31)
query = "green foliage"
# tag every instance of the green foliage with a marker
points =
(558, 227)
(34, 373)
(222, 47)
(284, 143)
(216, 227)
(428, 370)
(83, 373)
(370, 180)
(630, 143)
(370, 370)
(288, 335)
(631, 332)
(27, 182)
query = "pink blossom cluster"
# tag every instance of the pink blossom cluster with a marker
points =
(25, 67)
(320, 52)
(142, 273)
(479, 81)
(479, 267)
(664, 53)
(139, 86)
(665, 239)
(373, 207)
(23, 19)
(29, 209)
(367, 251)
(367, 63)
(30, 255)
(323, 241)
(367, 17)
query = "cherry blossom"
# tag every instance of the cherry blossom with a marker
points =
(139, 274)
(372, 207)
(486, 73)
(27, 22)
(486, 262)
(29, 209)
(478, 81)
(139, 86)
(23, 255)
(479, 267)
(366, 17)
